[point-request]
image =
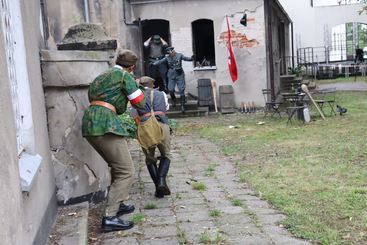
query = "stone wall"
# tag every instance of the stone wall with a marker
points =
(79, 169)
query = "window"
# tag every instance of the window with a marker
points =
(203, 43)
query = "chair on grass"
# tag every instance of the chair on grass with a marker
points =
(325, 97)
(295, 105)
(271, 106)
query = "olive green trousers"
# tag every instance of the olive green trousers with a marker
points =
(164, 147)
(114, 151)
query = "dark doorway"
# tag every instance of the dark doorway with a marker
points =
(149, 28)
(155, 27)
(203, 42)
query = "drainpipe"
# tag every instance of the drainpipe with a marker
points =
(292, 43)
(86, 11)
(44, 14)
(270, 43)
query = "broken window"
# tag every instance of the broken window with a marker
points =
(203, 43)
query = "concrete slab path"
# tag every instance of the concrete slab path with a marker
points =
(346, 86)
(226, 212)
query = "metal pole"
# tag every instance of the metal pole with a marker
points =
(292, 46)
(86, 11)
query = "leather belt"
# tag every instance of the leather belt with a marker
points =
(104, 104)
(161, 113)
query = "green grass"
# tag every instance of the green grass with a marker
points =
(150, 206)
(237, 202)
(315, 173)
(205, 238)
(199, 186)
(215, 213)
(210, 171)
(138, 218)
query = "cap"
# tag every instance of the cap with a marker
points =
(146, 81)
(156, 38)
(169, 49)
(126, 57)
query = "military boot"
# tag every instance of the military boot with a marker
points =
(153, 171)
(183, 101)
(162, 171)
(173, 98)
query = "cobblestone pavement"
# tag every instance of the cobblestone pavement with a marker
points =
(226, 212)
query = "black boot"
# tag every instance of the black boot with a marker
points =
(183, 103)
(114, 223)
(125, 209)
(163, 170)
(173, 98)
(153, 171)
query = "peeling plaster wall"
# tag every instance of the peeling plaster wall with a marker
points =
(249, 42)
(79, 169)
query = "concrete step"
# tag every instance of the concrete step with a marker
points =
(200, 111)
(189, 105)
(71, 226)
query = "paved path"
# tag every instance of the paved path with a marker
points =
(184, 217)
(348, 86)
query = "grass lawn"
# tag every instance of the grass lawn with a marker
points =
(315, 173)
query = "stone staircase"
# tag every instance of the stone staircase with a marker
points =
(191, 107)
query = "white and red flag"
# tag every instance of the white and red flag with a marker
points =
(231, 60)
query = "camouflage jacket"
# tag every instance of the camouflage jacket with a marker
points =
(117, 87)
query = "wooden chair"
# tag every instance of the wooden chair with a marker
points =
(271, 106)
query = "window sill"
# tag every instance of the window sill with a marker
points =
(205, 68)
(28, 169)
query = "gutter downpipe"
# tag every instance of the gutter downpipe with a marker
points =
(292, 41)
(270, 42)
(86, 11)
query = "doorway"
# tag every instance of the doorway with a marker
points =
(153, 27)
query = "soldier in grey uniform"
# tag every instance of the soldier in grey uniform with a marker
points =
(175, 74)
(156, 48)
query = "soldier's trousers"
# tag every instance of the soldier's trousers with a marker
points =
(164, 147)
(179, 81)
(114, 151)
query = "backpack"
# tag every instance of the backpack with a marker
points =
(150, 132)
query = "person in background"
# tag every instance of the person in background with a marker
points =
(156, 48)
(109, 95)
(160, 107)
(176, 75)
